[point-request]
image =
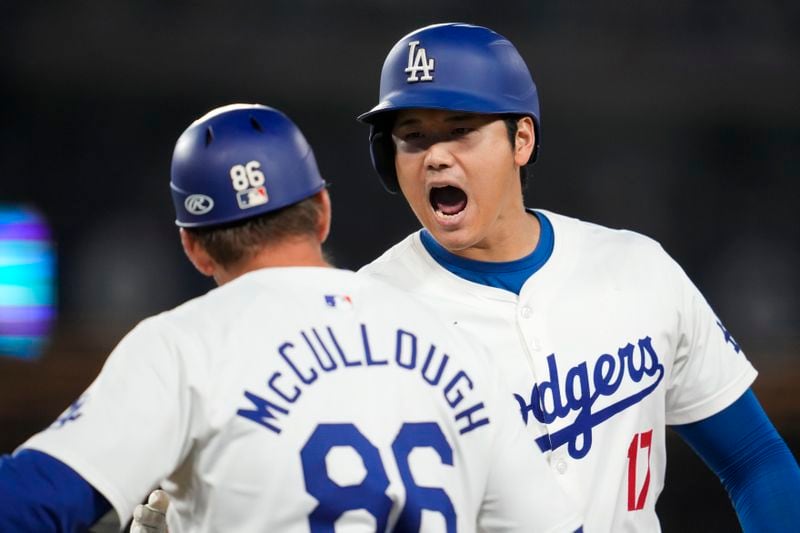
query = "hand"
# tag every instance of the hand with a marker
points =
(151, 518)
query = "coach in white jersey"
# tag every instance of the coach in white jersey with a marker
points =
(295, 397)
(600, 334)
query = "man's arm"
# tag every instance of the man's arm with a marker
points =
(125, 433)
(40, 493)
(757, 469)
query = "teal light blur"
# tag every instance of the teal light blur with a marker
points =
(27, 282)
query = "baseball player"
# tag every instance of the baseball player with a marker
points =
(601, 336)
(295, 397)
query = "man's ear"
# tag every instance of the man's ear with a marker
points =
(197, 254)
(324, 224)
(524, 141)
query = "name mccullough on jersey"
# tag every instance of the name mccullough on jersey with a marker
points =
(309, 356)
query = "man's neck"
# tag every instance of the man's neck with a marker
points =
(292, 252)
(511, 242)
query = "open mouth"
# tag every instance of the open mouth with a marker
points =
(448, 201)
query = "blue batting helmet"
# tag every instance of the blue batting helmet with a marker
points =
(240, 161)
(457, 67)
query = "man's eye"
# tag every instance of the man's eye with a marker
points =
(412, 136)
(458, 132)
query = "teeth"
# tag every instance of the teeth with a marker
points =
(445, 215)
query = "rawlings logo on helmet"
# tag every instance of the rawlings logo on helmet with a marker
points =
(418, 61)
(198, 204)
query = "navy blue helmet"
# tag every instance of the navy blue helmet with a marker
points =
(240, 161)
(456, 67)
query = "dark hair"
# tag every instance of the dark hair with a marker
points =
(230, 243)
(512, 122)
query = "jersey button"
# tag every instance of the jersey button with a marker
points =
(526, 312)
(561, 466)
(535, 344)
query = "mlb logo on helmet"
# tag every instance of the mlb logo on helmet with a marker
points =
(252, 197)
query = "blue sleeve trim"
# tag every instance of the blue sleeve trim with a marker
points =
(757, 469)
(40, 493)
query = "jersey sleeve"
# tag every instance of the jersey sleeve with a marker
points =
(522, 492)
(128, 430)
(40, 493)
(710, 370)
(744, 449)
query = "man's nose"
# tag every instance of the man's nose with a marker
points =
(438, 155)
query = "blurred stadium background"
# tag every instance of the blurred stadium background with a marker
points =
(678, 120)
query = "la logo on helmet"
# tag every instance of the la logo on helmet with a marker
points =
(418, 61)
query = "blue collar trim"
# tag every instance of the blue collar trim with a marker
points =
(508, 275)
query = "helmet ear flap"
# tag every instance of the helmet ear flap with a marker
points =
(382, 152)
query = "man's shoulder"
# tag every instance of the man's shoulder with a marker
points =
(405, 260)
(268, 289)
(397, 252)
(584, 235)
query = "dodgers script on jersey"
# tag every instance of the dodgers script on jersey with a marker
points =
(308, 399)
(606, 344)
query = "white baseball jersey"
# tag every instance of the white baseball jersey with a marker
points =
(308, 399)
(605, 345)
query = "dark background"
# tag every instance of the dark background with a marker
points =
(675, 119)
